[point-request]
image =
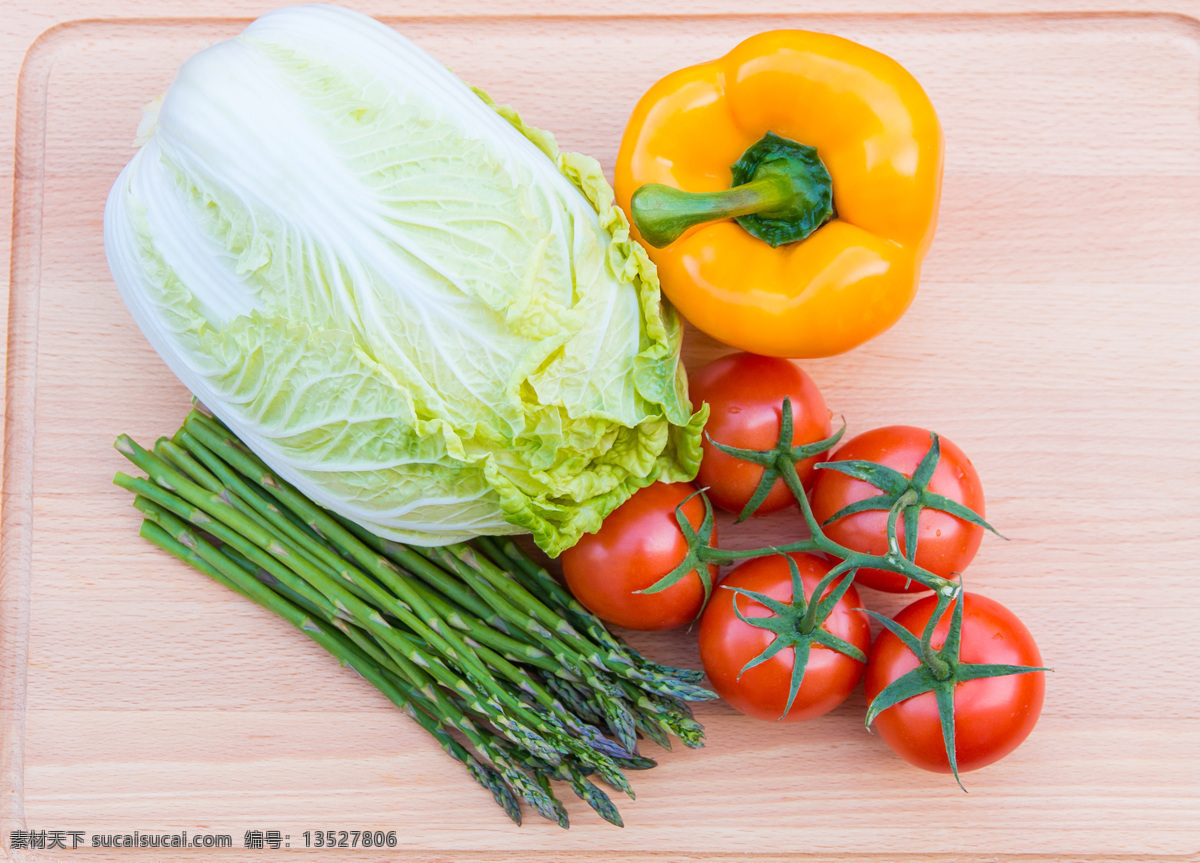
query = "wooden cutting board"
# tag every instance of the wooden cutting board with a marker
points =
(1054, 338)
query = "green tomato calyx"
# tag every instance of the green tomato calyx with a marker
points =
(798, 624)
(777, 460)
(903, 497)
(940, 670)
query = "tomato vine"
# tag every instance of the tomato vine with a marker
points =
(796, 624)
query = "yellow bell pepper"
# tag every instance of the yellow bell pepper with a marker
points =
(836, 156)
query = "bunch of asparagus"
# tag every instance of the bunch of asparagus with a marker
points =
(475, 641)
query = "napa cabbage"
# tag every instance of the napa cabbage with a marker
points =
(408, 302)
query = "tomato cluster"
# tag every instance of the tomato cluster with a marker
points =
(953, 681)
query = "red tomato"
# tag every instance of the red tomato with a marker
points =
(745, 393)
(992, 716)
(727, 643)
(638, 544)
(946, 543)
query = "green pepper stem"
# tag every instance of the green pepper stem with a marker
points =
(781, 192)
(661, 213)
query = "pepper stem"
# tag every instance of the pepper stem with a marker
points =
(781, 193)
(662, 213)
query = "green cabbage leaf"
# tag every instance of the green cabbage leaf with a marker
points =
(405, 300)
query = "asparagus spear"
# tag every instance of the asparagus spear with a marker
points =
(475, 642)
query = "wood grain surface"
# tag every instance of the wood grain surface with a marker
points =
(1054, 338)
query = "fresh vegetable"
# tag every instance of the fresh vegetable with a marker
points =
(405, 300)
(475, 641)
(618, 572)
(745, 393)
(922, 482)
(834, 155)
(781, 640)
(953, 692)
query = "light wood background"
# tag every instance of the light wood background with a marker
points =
(1054, 338)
